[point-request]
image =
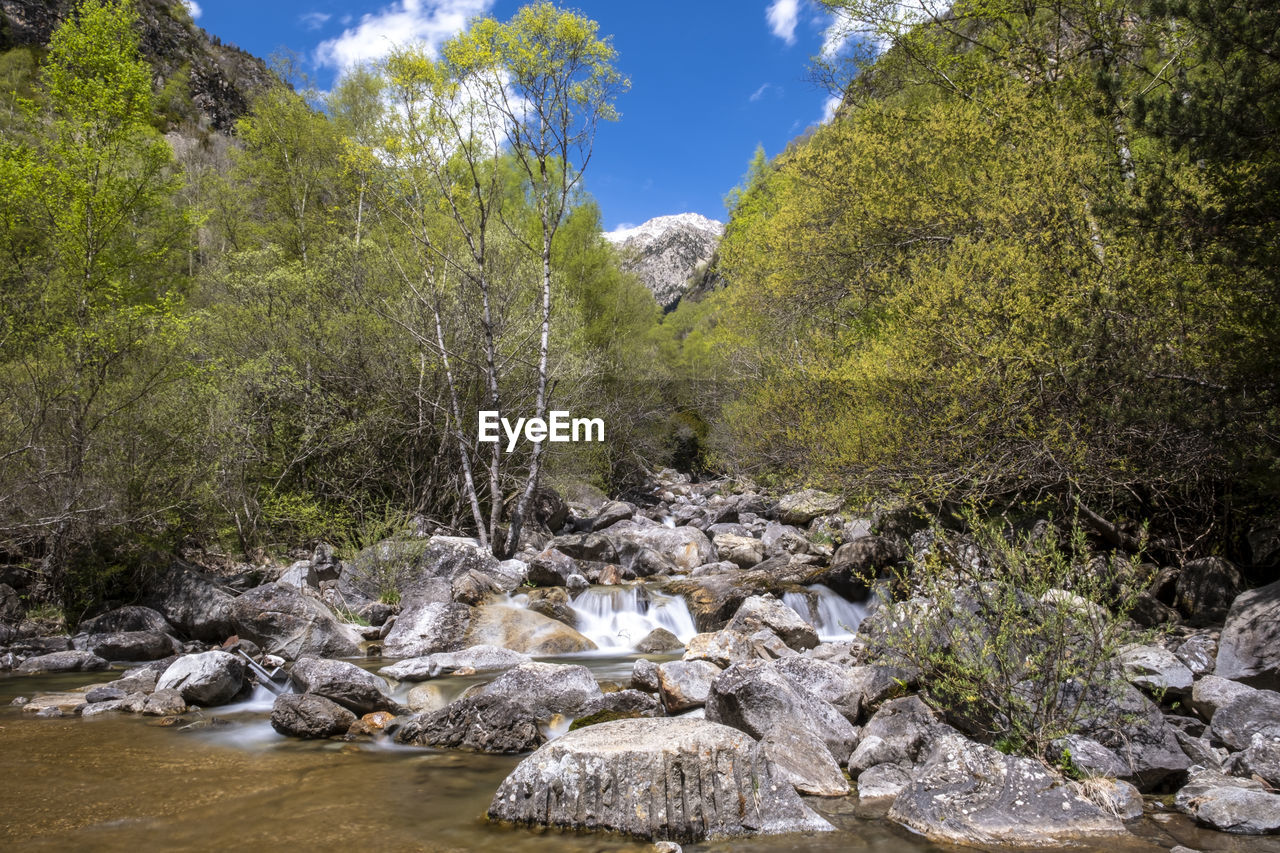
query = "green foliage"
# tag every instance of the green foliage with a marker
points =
(1014, 636)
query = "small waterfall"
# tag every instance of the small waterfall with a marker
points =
(823, 608)
(618, 617)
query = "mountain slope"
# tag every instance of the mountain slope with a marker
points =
(667, 251)
(221, 79)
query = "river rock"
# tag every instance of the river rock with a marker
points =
(131, 618)
(828, 681)
(970, 794)
(611, 513)
(161, 703)
(1246, 715)
(686, 547)
(1087, 757)
(620, 703)
(69, 661)
(128, 645)
(194, 604)
(426, 698)
(1249, 648)
(743, 551)
(1206, 588)
(804, 506)
(1198, 653)
(644, 675)
(1211, 693)
(426, 628)
(1125, 721)
(207, 679)
(554, 603)
(355, 689)
(659, 640)
(524, 631)
(753, 697)
(765, 611)
(1261, 759)
(1155, 669)
(882, 782)
(804, 761)
(483, 723)
(783, 540)
(862, 559)
(1229, 804)
(545, 689)
(677, 779)
(876, 684)
(722, 648)
(477, 658)
(284, 621)
(64, 701)
(300, 575)
(597, 547)
(683, 685)
(901, 732)
(1114, 797)
(306, 715)
(553, 568)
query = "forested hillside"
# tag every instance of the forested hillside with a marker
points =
(1031, 263)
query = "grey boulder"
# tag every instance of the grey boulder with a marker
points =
(284, 621)
(207, 679)
(1249, 648)
(353, 688)
(970, 794)
(546, 689)
(684, 685)
(128, 645)
(1227, 804)
(1249, 714)
(426, 628)
(305, 715)
(69, 661)
(493, 724)
(477, 658)
(765, 611)
(679, 779)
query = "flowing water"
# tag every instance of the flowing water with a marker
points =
(834, 617)
(230, 782)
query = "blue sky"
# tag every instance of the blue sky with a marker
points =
(710, 79)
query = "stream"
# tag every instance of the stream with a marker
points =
(230, 782)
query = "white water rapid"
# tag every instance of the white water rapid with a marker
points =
(618, 617)
(829, 613)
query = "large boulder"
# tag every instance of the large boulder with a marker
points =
(686, 547)
(1249, 649)
(524, 631)
(1260, 759)
(968, 793)
(69, 661)
(353, 688)
(546, 689)
(306, 715)
(194, 604)
(1205, 589)
(804, 506)
(284, 621)
(765, 611)
(1248, 714)
(1156, 670)
(128, 645)
(210, 678)
(826, 680)
(804, 761)
(474, 659)
(494, 724)
(901, 732)
(1211, 693)
(611, 513)
(1125, 721)
(754, 697)
(131, 618)
(554, 568)
(426, 628)
(684, 685)
(743, 551)
(1229, 804)
(677, 779)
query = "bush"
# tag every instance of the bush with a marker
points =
(1014, 635)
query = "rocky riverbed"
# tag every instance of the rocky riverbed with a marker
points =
(688, 667)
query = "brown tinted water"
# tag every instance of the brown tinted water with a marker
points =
(120, 783)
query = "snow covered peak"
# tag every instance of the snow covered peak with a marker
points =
(660, 225)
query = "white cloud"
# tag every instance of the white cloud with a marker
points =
(829, 108)
(764, 90)
(314, 20)
(194, 8)
(402, 22)
(782, 16)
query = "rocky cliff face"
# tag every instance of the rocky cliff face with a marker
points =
(222, 79)
(669, 251)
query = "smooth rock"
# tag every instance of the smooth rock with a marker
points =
(686, 547)
(208, 679)
(659, 640)
(194, 604)
(128, 645)
(1227, 804)
(1257, 713)
(426, 628)
(675, 779)
(476, 658)
(1087, 757)
(743, 551)
(426, 698)
(69, 661)
(882, 782)
(545, 689)
(644, 675)
(524, 631)
(1155, 669)
(901, 732)
(127, 619)
(1198, 654)
(355, 689)
(1212, 692)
